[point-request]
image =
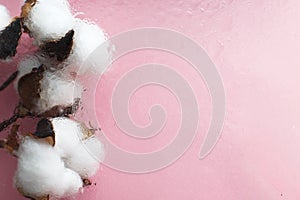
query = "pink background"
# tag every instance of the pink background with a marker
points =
(255, 45)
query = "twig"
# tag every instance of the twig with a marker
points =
(10, 79)
(8, 122)
(20, 112)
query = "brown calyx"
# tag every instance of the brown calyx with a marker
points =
(59, 49)
(87, 132)
(26, 8)
(45, 131)
(11, 143)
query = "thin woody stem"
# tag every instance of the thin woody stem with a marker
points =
(10, 79)
(20, 112)
(8, 122)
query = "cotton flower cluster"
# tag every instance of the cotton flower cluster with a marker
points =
(55, 160)
(65, 43)
(62, 154)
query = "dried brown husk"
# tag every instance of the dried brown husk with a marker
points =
(9, 39)
(29, 88)
(59, 49)
(26, 8)
(44, 130)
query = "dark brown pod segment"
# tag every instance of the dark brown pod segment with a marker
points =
(45, 130)
(9, 39)
(59, 49)
(29, 88)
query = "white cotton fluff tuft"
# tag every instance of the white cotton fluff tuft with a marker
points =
(86, 157)
(85, 56)
(81, 152)
(4, 17)
(57, 90)
(26, 65)
(41, 171)
(49, 20)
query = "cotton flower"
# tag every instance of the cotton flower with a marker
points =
(49, 20)
(42, 172)
(84, 56)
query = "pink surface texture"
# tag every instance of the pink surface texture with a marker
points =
(255, 45)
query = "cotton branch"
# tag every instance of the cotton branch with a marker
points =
(20, 112)
(10, 79)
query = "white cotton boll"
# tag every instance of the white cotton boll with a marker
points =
(4, 17)
(67, 135)
(49, 20)
(80, 151)
(41, 171)
(57, 90)
(87, 38)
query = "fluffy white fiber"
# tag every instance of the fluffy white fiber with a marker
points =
(41, 171)
(85, 56)
(80, 151)
(4, 17)
(26, 65)
(56, 89)
(49, 20)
